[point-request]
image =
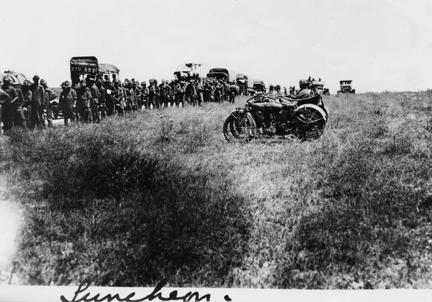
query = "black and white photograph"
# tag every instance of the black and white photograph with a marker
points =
(198, 144)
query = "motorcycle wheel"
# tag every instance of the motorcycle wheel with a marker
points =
(239, 127)
(310, 123)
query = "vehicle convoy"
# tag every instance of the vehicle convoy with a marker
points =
(81, 67)
(266, 116)
(345, 87)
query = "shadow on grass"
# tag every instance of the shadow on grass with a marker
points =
(101, 210)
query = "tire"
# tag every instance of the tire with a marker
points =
(239, 127)
(310, 122)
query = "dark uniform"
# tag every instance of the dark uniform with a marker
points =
(67, 102)
(24, 100)
(207, 92)
(102, 99)
(304, 92)
(83, 103)
(109, 96)
(120, 99)
(8, 113)
(144, 95)
(232, 93)
(154, 94)
(94, 102)
(49, 96)
(38, 101)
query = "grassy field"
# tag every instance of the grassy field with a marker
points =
(161, 194)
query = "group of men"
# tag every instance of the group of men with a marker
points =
(27, 106)
(91, 99)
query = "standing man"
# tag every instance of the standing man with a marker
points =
(109, 95)
(102, 99)
(191, 93)
(67, 101)
(49, 96)
(94, 100)
(3, 98)
(232, 92)
(7, 106)
(24, 100)
(38, 100)
(83, 102)
(144, 95)
(218, 93)
(153, 93)
(207, 92)
(119, 98)
(199, 91)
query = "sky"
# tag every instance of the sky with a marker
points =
(379, 44)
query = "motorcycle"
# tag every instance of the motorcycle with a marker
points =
(267, 116)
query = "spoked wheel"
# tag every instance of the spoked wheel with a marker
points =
(311, 122)
(239, 127)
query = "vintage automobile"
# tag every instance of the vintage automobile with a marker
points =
(81, 67)
(345, 87)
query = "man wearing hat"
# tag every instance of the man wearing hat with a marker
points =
(83, 102)
(24, 101)
(3, 98)
(109, 96)
(38, 100)
(67, 100)
(304, 92)
(7, 104)
(102, 98)
(49, 96)
(94, 100)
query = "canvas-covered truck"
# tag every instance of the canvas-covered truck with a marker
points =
(222, 74)
(345, 87)
(16, 78)
(81, 67)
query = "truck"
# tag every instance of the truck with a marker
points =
(222, 74)
(345, 87)
(81, 67)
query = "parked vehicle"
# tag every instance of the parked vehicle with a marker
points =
(266, 116)
(189, 71)
(258, 87)
(222, 74)
(345, 87)
(80, 67)
(16, 78)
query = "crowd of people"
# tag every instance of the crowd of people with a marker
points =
(91, 99)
